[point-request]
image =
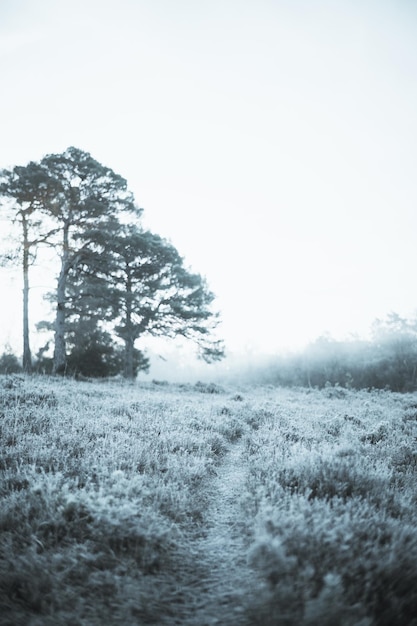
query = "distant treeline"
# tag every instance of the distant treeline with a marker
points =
(387, 361)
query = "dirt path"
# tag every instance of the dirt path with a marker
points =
(221, 581)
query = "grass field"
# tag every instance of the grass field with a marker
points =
(197, 505)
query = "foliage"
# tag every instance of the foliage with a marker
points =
(137, 282)
(387, 361)
(92, 352)
(9, 363)
(85, 194)
(24, 194)
(115, 280)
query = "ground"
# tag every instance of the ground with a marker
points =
(204, 504)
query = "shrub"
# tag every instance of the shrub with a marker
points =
(9, 364)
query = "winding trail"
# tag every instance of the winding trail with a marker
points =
(217, 588)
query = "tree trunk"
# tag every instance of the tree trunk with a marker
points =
(129, 350)
(129, 335)
(60, 354)
(27, 356)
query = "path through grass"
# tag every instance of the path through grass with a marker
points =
(223, 582)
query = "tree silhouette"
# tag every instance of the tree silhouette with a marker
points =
(25, 192)
(144, 288)
(87, 193)
(116, 281)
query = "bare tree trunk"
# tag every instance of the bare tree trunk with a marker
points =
(129, 350)
(60, 356)
(27, 356)
(129, 336)
(60, 353)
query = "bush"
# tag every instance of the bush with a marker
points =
(9, 364)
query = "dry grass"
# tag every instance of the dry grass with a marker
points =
(198, 505)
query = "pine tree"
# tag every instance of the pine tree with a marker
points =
(25, 192)
(145, 288)
(87, 194)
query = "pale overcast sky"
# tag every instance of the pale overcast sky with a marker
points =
(274, 142)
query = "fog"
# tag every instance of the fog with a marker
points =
(274, 143)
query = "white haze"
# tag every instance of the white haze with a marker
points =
(273, 142)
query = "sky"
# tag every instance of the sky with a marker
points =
(273, 142)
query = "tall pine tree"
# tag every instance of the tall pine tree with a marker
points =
(87, 195)
(25, 192)
(145, 289)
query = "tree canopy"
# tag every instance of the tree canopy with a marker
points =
(116, 281)
(143, 287)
